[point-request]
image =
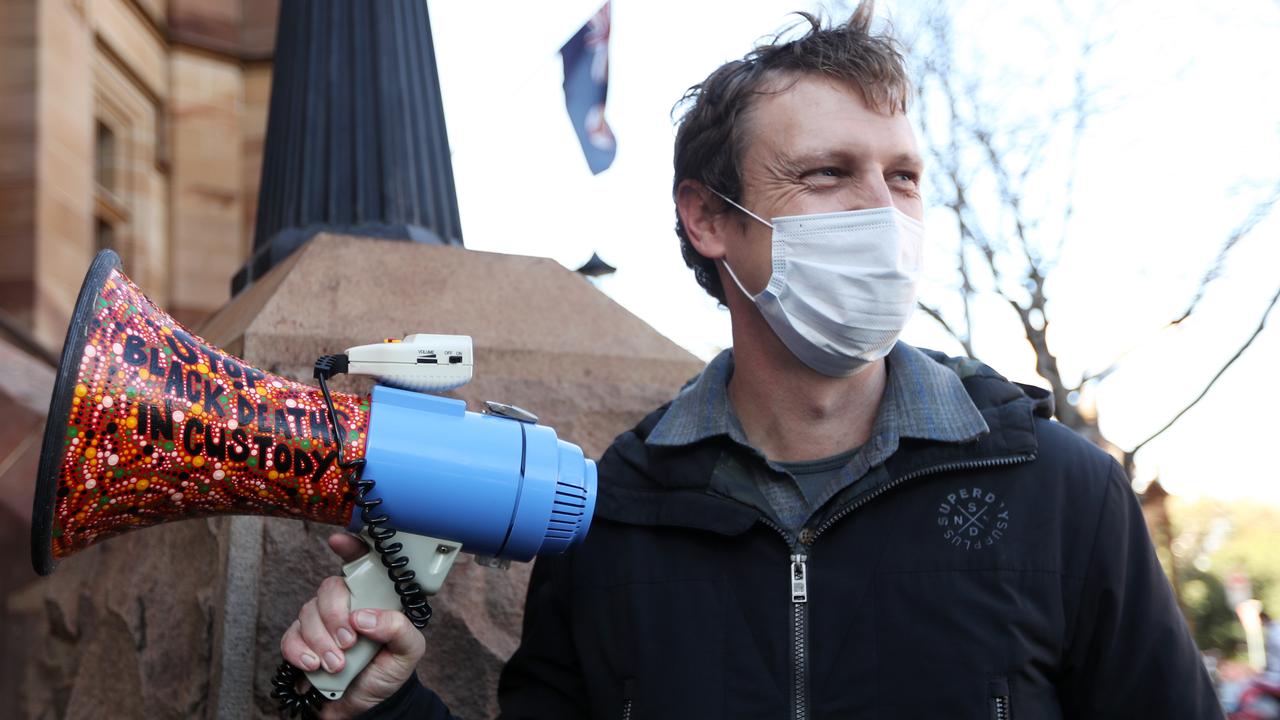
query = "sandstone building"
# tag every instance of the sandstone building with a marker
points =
(135, 125)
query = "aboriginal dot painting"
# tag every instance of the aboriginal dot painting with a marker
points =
(165, 427)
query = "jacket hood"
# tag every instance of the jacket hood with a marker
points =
(993, 389)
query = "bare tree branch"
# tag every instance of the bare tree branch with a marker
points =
(966, 294)
(1034, 312)
(937, 317)
(1255, 216)
(988, 166)
(1011, 198)
(1082, 111)
(1261, 325)
(1102, 374)
(971, 125)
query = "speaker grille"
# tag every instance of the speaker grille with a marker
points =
(566, 511)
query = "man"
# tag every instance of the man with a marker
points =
(948, 551)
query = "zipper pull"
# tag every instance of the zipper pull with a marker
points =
(799, 579)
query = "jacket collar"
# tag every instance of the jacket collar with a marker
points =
(655, 483)
(923, 399)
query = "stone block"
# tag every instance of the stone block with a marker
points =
(209, 24)
(258, 28)
(253, 133)
(64, 197)
(206, 177)
(25, 385)
(133, 40)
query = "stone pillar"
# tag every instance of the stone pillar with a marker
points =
(356, 139)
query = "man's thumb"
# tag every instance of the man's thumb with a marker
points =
(347, 546)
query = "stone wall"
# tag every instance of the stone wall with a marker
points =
(25, 386)
(18, 158)
(207, 177)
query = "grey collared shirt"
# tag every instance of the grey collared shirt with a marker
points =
(923, 399)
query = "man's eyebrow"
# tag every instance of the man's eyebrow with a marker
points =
(796, 163)
(809, 158)
(907, 158)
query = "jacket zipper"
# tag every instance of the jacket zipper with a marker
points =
(628, 687)
(798, 586)
(1001, 706)
(798, 583)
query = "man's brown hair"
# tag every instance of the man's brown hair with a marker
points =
(713, 129)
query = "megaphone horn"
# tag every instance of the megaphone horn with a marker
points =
(148, 423)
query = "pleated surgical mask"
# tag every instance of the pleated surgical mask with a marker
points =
(843, 284)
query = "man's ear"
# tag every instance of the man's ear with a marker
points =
(702, 214)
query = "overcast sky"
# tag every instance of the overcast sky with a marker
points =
(1189, 141)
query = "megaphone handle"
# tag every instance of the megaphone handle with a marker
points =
(404, 584)
(371, 587)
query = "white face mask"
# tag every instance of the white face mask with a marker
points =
(843, 284)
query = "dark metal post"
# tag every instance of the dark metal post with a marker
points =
(356, 139)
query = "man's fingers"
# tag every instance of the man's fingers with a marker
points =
(347, 546)
(296, 651)
(402, 646)
(333, 600)
(317, 637)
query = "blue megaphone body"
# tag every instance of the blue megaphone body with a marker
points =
(499, 484)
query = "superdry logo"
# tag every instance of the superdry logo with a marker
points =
(972, 518)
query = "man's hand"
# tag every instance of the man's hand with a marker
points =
(326, 626)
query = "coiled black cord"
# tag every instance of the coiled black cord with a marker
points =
(413, 599)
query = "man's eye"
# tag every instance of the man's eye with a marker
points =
(826, 172)
(908, 178)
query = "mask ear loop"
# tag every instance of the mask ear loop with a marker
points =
(725, 261)
(726, 199)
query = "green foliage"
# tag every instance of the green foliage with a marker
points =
(1214, 624)
(1212, 539)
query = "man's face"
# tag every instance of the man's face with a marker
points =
(817, 147)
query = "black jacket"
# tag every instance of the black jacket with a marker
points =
(1010, 577)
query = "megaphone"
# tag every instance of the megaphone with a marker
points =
(149, 423)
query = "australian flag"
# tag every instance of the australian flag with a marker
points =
(586, 84)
